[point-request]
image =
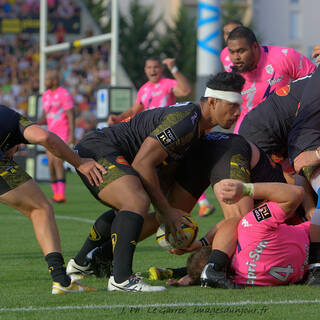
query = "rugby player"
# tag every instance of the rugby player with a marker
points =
(132, 151)
(160, 92)
(265, 251)
(18, 190)
(265, 68)
(303, 149)
(58, 114)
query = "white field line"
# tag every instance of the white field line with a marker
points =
(159, 305)
(58, 217)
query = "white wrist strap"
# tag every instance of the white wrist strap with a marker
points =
(174, 69)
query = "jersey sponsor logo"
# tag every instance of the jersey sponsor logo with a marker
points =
(284, 91)
(274, 81)
(284, 51)
(262, 213)
(166, 137)
(122, 160)
(216, 136)
(254, 255)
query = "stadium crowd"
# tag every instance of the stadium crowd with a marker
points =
(64, 9)
(81, 72)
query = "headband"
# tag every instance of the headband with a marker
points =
(231, 96)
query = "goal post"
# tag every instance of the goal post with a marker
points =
(112, 37)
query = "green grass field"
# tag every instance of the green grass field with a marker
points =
(25, 286)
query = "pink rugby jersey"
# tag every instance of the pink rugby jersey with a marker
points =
(55, 104)
(157, 95)
(276, 68)
(269, 252)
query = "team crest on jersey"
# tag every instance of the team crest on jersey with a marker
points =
(122, 160)
(166, 137)
(269, 69)
(262, 213)
(245, 223)
(284, 91)
(284, 51)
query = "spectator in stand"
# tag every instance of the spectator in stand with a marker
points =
(265, 68)
(57, 104)
(60, 32)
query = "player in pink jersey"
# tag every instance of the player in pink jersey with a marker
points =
(265, 68)
(158, 92)
(161, 92)
(224, 55)
(57, 104)
(268, 252)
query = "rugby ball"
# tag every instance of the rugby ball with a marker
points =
(169, 244)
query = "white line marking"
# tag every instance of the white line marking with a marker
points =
(58, 217)
(159, 305)
(75, 218)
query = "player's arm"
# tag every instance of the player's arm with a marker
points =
(308, 158)
(182, 89)
(114, 118)
(90, 168)
(71, 121)
(42, 120)
(150, 155)
(287, 196)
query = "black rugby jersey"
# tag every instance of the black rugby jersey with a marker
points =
(12, 126)
(175, 127)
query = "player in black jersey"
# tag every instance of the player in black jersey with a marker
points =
(304, 146)
(132, 151)
(19, 190)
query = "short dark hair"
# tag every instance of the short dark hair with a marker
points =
(237, 22)
(243, 32)
(196, 262)
(154, 59)
(226, 81)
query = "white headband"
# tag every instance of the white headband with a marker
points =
(230, 96)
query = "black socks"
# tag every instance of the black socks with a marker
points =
(57, 269)
(125, 231)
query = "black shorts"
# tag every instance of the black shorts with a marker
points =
(11, 175)
(224, 156)
(112, 160)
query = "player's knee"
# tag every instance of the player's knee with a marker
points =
(139, 203)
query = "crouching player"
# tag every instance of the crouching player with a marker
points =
(265, 251)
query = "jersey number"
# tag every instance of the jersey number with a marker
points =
(281, 273)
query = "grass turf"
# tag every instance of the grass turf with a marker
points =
(25, 287)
